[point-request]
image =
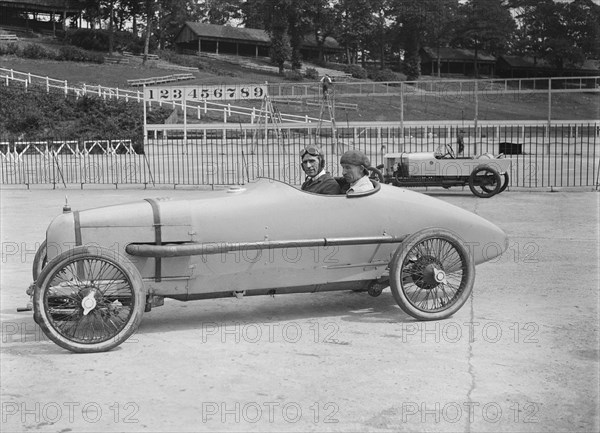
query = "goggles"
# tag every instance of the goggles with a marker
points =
(311, 150)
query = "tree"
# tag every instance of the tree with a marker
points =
(298, 27)
(252, 14)
(353, 22)
(321, 15)
(439, 28)
(134, 10)
(377, 40)
(563, 34)
(484, 25)
(172, 15)
(409, 29)
(149, 11)
(221, 11)
(276, 24)
(111, 28)
(583, 18)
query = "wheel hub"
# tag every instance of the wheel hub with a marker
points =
(428, 272)
(88, 302)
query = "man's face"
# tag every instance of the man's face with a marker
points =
(352, 172)
(310, 165)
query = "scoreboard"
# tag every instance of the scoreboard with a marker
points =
(220, 92)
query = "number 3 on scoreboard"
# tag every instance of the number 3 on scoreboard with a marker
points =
(176, 94)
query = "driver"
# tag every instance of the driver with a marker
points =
(317, 179)
(354, 169)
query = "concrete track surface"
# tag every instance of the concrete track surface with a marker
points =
(520, 356)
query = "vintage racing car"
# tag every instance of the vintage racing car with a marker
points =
(485, 174)
(100, 269)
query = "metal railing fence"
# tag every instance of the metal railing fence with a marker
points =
(564, 155)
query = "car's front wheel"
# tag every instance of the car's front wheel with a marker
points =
(89, 299)
(40, 260)
(432, 274)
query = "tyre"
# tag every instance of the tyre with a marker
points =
(505, 183)
(431, 274)
(484, 182)
(39, 261)
(89, 299)
(504, 178)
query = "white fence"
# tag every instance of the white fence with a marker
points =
(227, 110)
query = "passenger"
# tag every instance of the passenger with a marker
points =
(317, 179)
(354, 169)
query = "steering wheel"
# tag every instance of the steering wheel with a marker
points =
(375, 174)
(449, 151)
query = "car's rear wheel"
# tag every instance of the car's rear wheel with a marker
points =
(39, 260)
(432, 274)
(504, 183)
(89, 299)
(504, 178)
(485, 182)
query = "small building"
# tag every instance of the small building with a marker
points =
(211, 38)
(16, 13)
(456, 61)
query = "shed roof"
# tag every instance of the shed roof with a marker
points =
(43, 5)
(457, 54)
(244, 34)
(524, 62)
(228, 32)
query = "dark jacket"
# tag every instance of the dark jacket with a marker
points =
(325, 184)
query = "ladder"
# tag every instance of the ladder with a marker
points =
(268, 115)
(328, 103)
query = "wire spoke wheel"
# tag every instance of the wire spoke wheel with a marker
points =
(89, 301)
(431, 275)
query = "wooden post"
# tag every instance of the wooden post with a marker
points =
(185, 120)
(145, 124)
(402, 111)
(476, 114)
(549, 102)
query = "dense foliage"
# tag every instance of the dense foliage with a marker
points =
(37, 114)
(99, 40)
(64, 53)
